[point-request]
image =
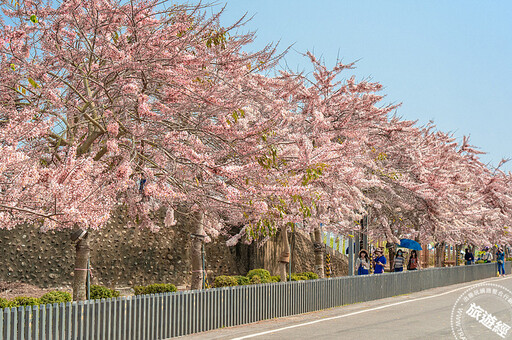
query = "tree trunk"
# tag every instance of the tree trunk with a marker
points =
(391, 254)
(436, 255)
(82, 254)
(319, 254)
(440, 254)
(457, 255)
(312, 237)
(426, 255)
(285, 254)
(196, 251)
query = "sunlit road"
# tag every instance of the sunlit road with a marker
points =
(422, 315)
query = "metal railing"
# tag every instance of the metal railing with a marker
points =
(168, 315)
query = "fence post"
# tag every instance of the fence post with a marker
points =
(1, 324)
(350, 256)
(7, 313)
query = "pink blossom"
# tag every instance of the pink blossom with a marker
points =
(113, 128)
(112, 146)
(130, 88)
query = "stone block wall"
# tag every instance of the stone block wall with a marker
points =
(120, 256)
(123, 257)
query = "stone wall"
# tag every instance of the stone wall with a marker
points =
(302, 256)
(122, 256)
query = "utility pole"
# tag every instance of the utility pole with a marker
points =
(351, 256)
(364, 234)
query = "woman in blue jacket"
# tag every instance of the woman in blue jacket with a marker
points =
(379, 262)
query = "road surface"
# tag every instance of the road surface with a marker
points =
(422, 315)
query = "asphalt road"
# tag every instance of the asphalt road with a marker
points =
(422, 315)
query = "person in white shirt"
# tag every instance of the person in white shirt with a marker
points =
(363, 263)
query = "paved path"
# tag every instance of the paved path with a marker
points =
(422, 315)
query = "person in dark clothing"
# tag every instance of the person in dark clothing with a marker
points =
(469, 257)
(413, 261)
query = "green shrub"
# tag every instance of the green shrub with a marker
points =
(155, 288)
(509, 259)
(55, 297)
(4, 303)
(302, 276)
(309, 275)
(25, 301)
(262, 273)
(101, 292)
(275, 279)
(255, 279)
(297, 277)
(138, 290)
(242, 280)
(225, 281)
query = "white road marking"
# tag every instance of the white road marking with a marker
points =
(362, 311)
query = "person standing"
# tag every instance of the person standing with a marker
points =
(399, 261)
(468, 257)
(487, 257)
(500, 256)
(413, 261)
(363, 263)
(379, 262)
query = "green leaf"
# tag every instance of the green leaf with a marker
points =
(33, 83)
(13, 67)
(33, 18)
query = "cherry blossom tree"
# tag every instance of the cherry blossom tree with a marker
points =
(142, 105)
(438, 189)
(131, 104)
(320, 162)
(343, 156)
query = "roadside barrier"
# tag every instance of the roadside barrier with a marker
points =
(168, 315)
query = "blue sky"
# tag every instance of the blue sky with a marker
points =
(446, 61)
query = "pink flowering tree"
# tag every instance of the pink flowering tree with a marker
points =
(335, 119)
(438, 191)
(318, 167)
(135, 105)
(342, 157)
